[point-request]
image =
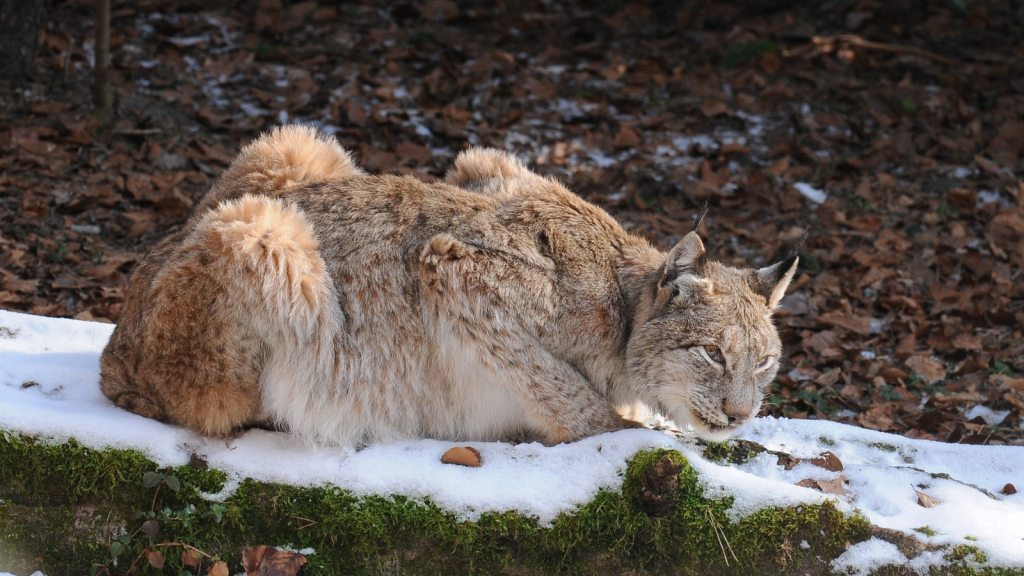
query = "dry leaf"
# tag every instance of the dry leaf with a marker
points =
(787, 461)
(926, 500)
(220, 568)
(463, 456)
(834, 486)
(828, 461)
(155, 558)
(267, 561)
(627, 138)
(714, 108)
(930, 370)
(190, 557)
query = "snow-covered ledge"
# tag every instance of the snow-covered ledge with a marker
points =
(49, 394)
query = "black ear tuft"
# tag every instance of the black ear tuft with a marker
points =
(800, 242)
(700, 217)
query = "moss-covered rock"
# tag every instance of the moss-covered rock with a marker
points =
(67, 509)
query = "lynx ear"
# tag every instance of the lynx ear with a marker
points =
(686, 257)
(772, 281)
(483, 163)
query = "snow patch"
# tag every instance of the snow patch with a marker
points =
(813, 194)
(865, 557)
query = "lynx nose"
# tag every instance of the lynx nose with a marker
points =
(736, 413)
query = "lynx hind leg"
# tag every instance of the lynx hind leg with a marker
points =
(244, 287)
(282, 291)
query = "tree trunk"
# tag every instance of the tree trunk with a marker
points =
(103, 91)
(20, 22)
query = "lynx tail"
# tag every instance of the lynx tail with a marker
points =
(276, 161)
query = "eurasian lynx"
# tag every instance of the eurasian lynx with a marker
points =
(353, 309)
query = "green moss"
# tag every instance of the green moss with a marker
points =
(62, 505)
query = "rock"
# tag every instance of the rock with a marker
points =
(463, 456)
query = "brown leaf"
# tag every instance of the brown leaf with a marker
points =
(219, 568)
(1006, 230)
(959, 399)
(1006, 146)
(787, 461)
(828, 461)
(376, 160)
(926, 500)
(930, 370)
(771, 62)
(713, 108)
(266, 561)
(627, 138)
(1008, 490)
(859, 324)
(23, 286)
(155, 558)
(190, 557)
(413, 153)
(466, 456)
(215, 152)
(965, 341)
(733, 148)
(880, 416)
(440, 10)
(834, 486)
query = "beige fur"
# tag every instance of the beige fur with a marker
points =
(353, 309)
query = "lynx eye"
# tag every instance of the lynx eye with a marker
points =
(764, 361)
(715, 353)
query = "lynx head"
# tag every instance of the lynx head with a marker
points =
(709, 348)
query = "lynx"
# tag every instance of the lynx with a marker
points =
(353, 309)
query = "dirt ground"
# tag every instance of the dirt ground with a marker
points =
(892, 129)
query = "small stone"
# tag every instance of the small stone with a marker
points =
(463, 456)
(1008, 490)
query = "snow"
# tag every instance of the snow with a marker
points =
(990, 416)
(864, 557)
(49, 373)
(813, 194)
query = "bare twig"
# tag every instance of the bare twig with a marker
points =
(870, 45)
(137, 131)
(720, 536)
(155, 494)
(182, 544)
